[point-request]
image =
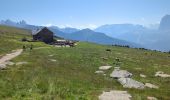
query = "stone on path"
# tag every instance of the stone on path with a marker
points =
(2, 66)
(149, 85)
(130, 83)
(117, 68)
(120, 74)
(99, 72)
(10, 63)
(138, 68)
(21, 63)
(50, 55)
(105, 67)
(161, 74)
(53, 60)
(151, 98)
(115, 95)
(143, 76)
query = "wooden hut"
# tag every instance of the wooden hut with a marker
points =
(44, 35)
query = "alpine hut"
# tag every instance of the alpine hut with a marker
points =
(44, 35)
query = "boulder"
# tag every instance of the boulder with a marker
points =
(115, 95)
(53, 60)
(143, 76)
(151, 98)
(9, 63)
(149, 85)
(99, 72)
(21, 63)
(130, 83)
(120, 74)
(2, 66)
(105, 67)
(161, 74)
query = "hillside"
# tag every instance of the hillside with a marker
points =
(69, 73)
(10, 38)
(88, 35)
(75, 34)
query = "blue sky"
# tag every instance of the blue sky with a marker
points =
(84, 13)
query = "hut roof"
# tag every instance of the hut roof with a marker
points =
(34, 32)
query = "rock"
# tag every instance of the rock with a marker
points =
(149, 85)
(143, 76)
(99, 72)
(105, 67)
(161, 74)
(9, 63)
(151, 98)
(120, 74)
(21, 63)
(130, 83)
(115, 95)
(50, 55)
(2, 66)
(138, 68)
(53, 60)
(117, 68)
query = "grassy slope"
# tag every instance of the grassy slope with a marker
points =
(72, 75)
(10, 38)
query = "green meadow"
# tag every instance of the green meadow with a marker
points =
(72, 75)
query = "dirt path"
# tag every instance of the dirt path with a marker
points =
(8, 57)
(41, 47)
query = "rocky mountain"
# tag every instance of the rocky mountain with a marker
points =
(73, 33)
(69, 30)
(165, 23)
(128, 32)
(20, 24)
(150, 38)
(91, 36)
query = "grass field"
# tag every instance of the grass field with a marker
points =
(71, 76)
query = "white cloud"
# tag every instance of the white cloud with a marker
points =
(66, 25)
(90, 26)
(48, 25)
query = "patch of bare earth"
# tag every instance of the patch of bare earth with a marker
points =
(4, 60)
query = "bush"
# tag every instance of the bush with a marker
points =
(24, 39)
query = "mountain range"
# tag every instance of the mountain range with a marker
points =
(150, 38)
(74, 34)
(121, 34)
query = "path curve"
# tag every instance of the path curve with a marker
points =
(8, 57)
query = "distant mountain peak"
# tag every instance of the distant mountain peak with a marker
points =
(165, 23)
(22, 22)
(87, 30)
(9, 22)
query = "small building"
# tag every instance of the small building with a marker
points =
(44, 35)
